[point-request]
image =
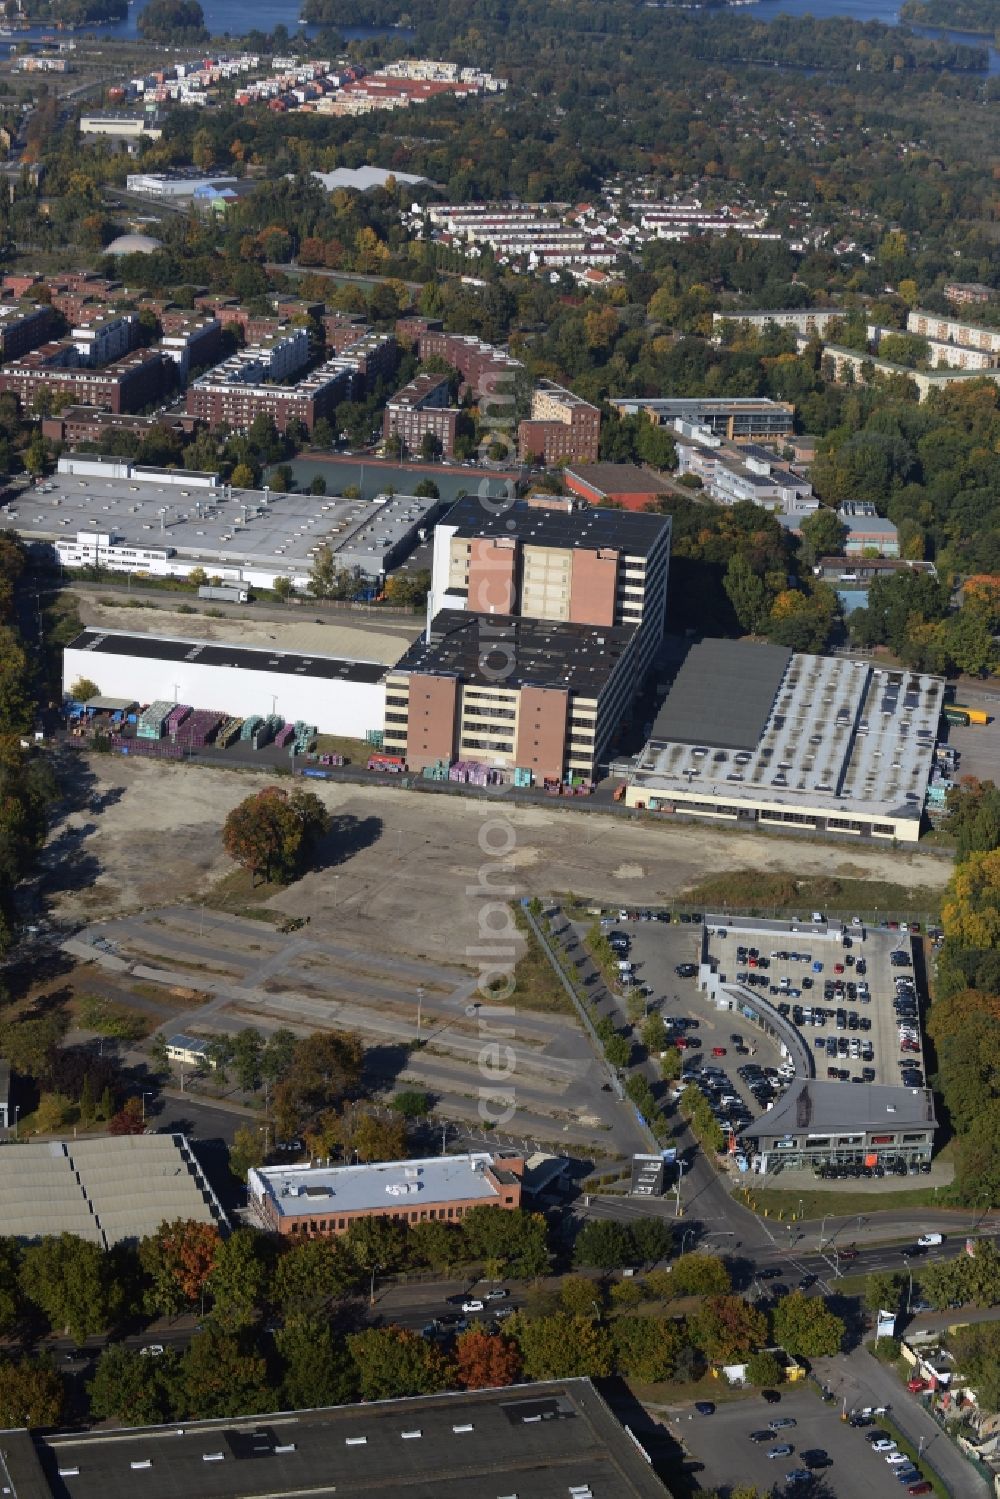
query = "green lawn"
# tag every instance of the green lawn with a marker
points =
(538, 986)
(757, 893)
(816, 1205)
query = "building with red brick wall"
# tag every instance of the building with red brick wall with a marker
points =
(23, 328)
(562, 427)
(421, 407)
(622, 484)
(138, 380)
(318, 1201)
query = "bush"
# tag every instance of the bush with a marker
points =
(886, 1350)
(764, 1369)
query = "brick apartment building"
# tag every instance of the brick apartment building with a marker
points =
(316, 1201)
(421, 407)
(140, 379)
(235, 403)
(562, 427)
(341, 330)
(23, 328)
(78, 424)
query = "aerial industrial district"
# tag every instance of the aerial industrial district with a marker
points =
(470, 1027)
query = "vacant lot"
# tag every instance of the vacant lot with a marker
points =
(403, 868)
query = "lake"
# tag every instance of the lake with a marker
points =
(232, 17)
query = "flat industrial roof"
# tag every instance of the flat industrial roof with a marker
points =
(519, 652)
(723, 695)
(628, 531)
(534, 1441)
(685, 405)
(847, 737)
(818, 1107)
(236, 657)
(618, 478)
(220, 524)
(295, 1190)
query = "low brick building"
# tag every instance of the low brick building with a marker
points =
(138, 380)
(310, 1201)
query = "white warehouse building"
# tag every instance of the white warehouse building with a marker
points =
(338, 696)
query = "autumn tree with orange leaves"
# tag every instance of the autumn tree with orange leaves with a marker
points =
(178, 1260)
(484, 1361)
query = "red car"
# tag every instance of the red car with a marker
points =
(718, 1051)
(923, 1487)
(838, 967)
(916, 1385)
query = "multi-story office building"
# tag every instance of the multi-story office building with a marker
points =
(562, 426)
(422, 407)
(735, 418)
(556, 560)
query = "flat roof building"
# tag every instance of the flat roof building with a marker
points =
(537, 699)
(562, 426)
(552, 559)
(422, 408)
(132, 519)
(735, 418)
(106, 1190)
(533, 1440)
(757, 733)
(337, 696)
(624, 484)
(326, 1200)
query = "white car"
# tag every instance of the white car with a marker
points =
(152, 1350)
(818, 916)
(473, 1306)
(897, 1459)
(498, 1295)
(884, 1444)
(930, 1241)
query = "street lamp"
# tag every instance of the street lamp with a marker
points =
(420, 1002)
(677, 1189)
(822, 1231)
(687, 1234)
(144, 1097)
(17, 1110)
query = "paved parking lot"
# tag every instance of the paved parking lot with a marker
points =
(722, 1443)
(789, 978)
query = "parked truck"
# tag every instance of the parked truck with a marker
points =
(227, 593)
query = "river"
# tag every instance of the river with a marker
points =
(236, 17)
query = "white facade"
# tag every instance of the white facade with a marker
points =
(336, 705)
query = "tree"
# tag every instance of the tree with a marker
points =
(283, 589)
(322, 1071)
(247, 1050)
(692, 1275)
(652, 1239)
(605, 1244)
(10, 1298)
(129, 1120)
(313, 1273)
(72, 1283)
(971, 914)
(977, 1354)
(438, 1245)
(412, 1103)
(430, 447)
(31, 1394)
(515, 1241)
(373, 1137)
(277, 1056)
(177, 1261)
(177, 21)
(884, 1290)
(222, 1374)
(763, 1368)
(274, 833)
(646, 1348)
(129, 1388)
(316, 1367)
(239, 1279)
(746, 592)
(83, 689)
(393, 1362)
(486, 1361)
(562, 1347)
(243, 476)
(727, 1328)
(804, 1325)
(823, 533)
(376, 1243)
(580, 1297)
(246, 1152)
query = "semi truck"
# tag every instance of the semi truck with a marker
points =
(957, 713)
(233, 593)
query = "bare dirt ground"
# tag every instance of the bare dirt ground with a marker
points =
(403, 862)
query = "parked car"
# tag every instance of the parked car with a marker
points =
(704, 1407)
(784, 1449)
(475, 1305)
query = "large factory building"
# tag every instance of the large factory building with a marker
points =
(337, 696)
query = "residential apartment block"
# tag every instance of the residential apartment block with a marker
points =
(222, 396)
(953, 331)
(76, 424)
(102, 337)
(555, 560)
(421, 407)
(562, 427)
(805, 320)
(480, 364)
(969, 293)
(857, 366)
(320, 1201)
(140, 379)
(23, 328)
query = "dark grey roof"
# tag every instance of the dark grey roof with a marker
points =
(155, 647)
(635, 532)
(620, 478)
(723, 695)
(504, 650)
(535, 1441)
(816, 1107)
